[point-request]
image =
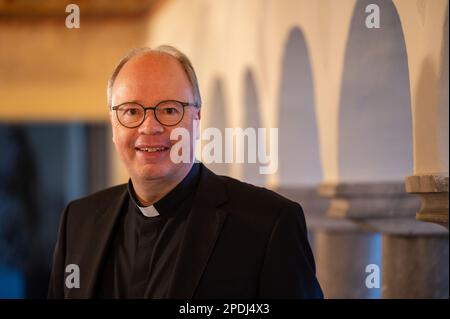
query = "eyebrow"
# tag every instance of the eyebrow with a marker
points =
(132, 101)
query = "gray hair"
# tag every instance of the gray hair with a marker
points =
(164, 49)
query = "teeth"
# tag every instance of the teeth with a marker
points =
(152, 149)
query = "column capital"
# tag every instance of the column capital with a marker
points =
(377, 206)
(315, 209)
(432, 189)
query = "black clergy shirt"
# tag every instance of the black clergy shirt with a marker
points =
(143, 251)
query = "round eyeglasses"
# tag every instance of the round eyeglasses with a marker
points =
(167, 113)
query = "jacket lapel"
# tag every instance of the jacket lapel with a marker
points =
(203, 226)
(95, 247)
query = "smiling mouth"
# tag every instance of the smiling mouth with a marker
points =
(152, 149)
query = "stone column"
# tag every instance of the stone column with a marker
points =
(348, 245)
(415, 266)
(386, 208)
(342, 248)
(415, 263)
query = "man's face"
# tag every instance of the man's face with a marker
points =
(147, 80)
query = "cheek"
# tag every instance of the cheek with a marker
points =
(116, 134)
(115, 127)
(122, 138)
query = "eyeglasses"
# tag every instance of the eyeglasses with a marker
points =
(167, 113)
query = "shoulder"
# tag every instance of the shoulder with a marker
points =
(257, 211)
(98, 201)
(258, 200)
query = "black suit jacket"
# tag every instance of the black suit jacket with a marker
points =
(241, 241)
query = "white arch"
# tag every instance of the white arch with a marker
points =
(299, 158)
(424, 28)
(375, 121)
(216, 116)
(443, 106)
(252, 119)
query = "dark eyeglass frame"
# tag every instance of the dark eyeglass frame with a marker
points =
(153, 108)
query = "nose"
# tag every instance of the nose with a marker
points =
(151, 126)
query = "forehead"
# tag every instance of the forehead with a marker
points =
(152, 77)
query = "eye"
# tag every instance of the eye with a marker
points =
(170, 110)
(131, 111)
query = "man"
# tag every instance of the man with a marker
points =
(176, 230)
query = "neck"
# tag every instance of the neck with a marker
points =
(149, 192)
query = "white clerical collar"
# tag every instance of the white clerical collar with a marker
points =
(149, 211)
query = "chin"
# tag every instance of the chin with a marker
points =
(154, 172)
